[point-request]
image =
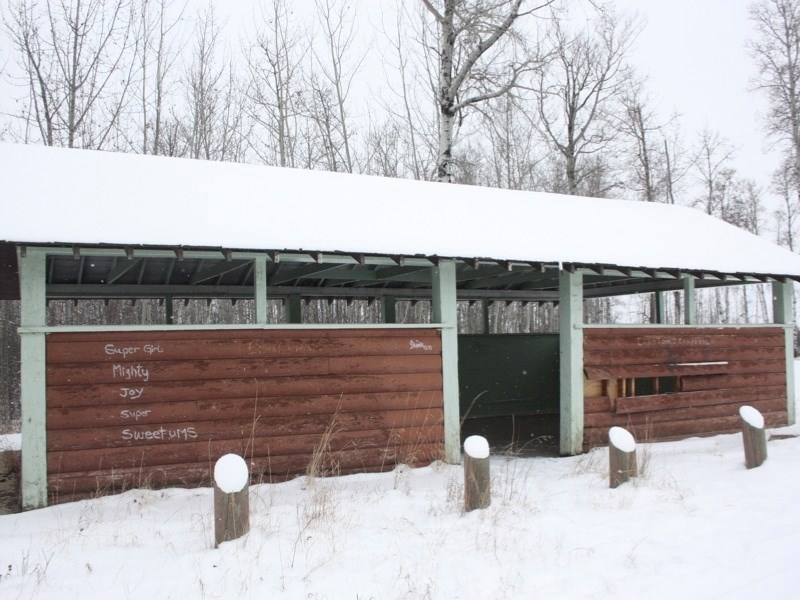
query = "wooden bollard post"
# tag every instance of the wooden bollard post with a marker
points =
(621, 456)
(477, 492)
(754, 437)
(231, 498)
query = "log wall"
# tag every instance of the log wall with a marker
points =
(691, 381)
(129, 409)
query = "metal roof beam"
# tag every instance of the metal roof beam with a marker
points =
(217, 270)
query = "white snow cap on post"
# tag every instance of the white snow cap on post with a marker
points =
(476, 446)
(752, 416)
(231, 473)
(622, 439)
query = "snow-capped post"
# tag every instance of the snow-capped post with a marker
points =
(231, 498)
(477, 492)
(621, 456)
(754, 436)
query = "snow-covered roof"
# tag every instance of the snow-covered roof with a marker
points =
(52, 195)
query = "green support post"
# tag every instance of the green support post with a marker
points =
(485, 305)
(570, 318)
(783, 313)
(444, 304)
(168, 314)
(661, 308)
(389, 309)
(294, 309)
(260, 289)
(33, 304)
(689, 301)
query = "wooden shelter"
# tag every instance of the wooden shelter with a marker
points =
(108, 407)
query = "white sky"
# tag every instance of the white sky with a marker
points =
(694, 54)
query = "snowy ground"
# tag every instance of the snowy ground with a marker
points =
(697, 524)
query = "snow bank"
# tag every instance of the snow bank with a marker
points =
(752, 416)
(231, 473)
(622, 439)
(10, 441)
(476, 446)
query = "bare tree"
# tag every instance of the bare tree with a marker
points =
(158, 33)
(776, 51)
(274, 62)
(468, 72)
(578, 91)
(77, 67)
(713, 169)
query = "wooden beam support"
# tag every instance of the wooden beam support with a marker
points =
(260, 289)
(783, 313)
(33, 306)
(570, 317)
(661, 308)
(689, 301)
(444, 305)
(313, 270)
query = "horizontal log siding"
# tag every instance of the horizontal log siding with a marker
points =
(736, 367)
(128, 409)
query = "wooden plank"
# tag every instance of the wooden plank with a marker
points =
(145, 373)
(596, 404)
(177, 433)
(592, 388)
(651, 355)
(658, 370)
(249, 387)
(229, 334)
(595, 342)
(260, 447)
(194, 474)
(122, 350)
(721, 330)
(702, 398)
(608, 419)
(235, 408)
(712, 382)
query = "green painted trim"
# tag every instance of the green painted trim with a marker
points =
(169, 315)
(689, 301)
(111, 328)
(260, 289)
(570, 313)
(783, 313)
(444, 309)
(34, 421)
(678, 326)
(33, 305)
(485, 308)
(389, 309)
(294, 309)
(661, 308)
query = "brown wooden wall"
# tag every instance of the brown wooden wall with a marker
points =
(709, 373)
(127, 409)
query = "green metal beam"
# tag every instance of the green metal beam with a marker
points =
(689, 301)
(33, 306)
(260, 289)
(444, 308)
(508, 278)
(304, 272)
(389, 309)
(293, 308)
(570, 317)
(217, 270)
(122, 267)
(783, 313)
